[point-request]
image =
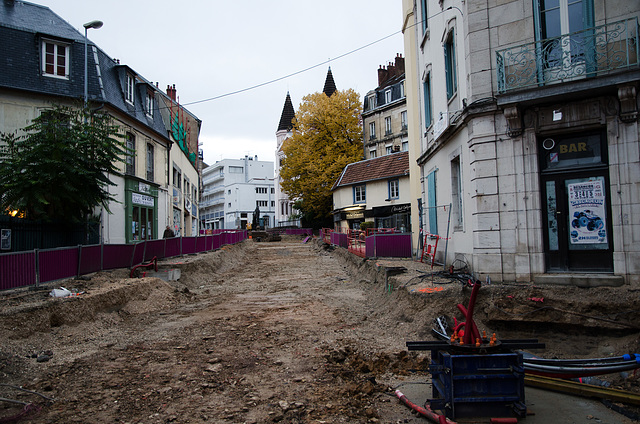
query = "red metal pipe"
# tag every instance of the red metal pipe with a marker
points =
(472, 330)
(425, 412)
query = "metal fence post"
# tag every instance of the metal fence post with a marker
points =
(79, 259)
(37, 263)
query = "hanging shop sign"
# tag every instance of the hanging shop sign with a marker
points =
(587, 212)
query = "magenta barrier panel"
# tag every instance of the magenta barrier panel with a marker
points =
(17, 270)
(188, 245)
(201, 244)
(90, 259)
(56, 264)
(172, 247)
(340, 239)
(138, 254)
(117, 256)
(389, 245)
(216, 242)
(299, 231)
(154, 248)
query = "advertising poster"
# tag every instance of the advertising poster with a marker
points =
(587, 212)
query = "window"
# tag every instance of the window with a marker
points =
(261, 190)
(428, 115)
(372, 102)
(450, 65)
(560, 17)
(359, 194)
(149, 103)
(402, 89)
(55, 59)
(423, 15)
(236, 170)
(228, 191)
(387, 125)
(262, 203)
(150, 162)
(177, 178)
(372, 153)
(394, 189)
(431, 203)
(456, 194)
(403, 119)
(273, 190)
(273, 203)
(387, 96)
(389, 149)
(129, 88)
(372, 130)
(405, 145)
(131, 156)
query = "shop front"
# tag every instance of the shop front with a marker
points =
(142, 211)
(393, 216)
(576, 203)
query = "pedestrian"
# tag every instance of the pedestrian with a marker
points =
(168, 233)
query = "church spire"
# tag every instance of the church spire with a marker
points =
(329, 84)
(287, 115)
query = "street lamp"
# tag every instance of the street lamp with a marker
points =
(94, 25)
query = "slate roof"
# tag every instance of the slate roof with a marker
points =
(329, 84)
(381, 168)
(287, 115)
(24, 24)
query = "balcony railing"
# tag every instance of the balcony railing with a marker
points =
(588, 53)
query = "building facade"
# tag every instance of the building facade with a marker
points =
(384, 113)
(528, 134)
(234, 190)
(374, 190)
(42, 61)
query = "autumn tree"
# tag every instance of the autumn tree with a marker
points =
(56, 169)
(327, 136)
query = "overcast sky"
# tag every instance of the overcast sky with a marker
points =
(210, 48)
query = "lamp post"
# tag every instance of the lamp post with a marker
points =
(94, 25)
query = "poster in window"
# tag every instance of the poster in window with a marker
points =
(587, 212)
(5, 239)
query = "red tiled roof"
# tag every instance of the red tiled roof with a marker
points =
(388, 166)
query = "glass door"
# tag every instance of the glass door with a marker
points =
(577, 223)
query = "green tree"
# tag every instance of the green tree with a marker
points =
(56, 170)
(327, 136)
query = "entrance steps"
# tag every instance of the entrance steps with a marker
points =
(580, 280)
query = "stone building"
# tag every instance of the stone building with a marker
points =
(526, 133)
(384, 113)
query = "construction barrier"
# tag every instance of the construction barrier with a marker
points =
(38, 266)
(372, 243)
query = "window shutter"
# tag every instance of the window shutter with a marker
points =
(431, 203)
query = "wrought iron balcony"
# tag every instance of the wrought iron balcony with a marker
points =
(584, 54)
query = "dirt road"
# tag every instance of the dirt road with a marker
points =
(255, 333)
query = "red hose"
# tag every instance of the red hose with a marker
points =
(426, 411)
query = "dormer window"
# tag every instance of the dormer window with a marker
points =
(387, 96)
(55, 59)
(149, 103)
(129, 88)
(372, 102)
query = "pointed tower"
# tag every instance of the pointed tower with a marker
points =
(287, 115)
(329, 84)
(284, 207)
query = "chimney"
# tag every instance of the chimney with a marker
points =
(171, 92)
(383, 75)
(399, 64)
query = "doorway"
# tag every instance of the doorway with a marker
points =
(576, 207)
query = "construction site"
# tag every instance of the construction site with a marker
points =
(296, 330)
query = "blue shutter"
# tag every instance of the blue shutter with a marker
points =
(431, 203)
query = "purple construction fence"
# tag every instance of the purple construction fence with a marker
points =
(40, 266)
(340, 239)
(394, 245)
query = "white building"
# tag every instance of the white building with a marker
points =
(523, 128)
(232, 190)
(284, 205)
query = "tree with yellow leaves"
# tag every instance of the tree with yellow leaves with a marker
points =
(327, 136)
